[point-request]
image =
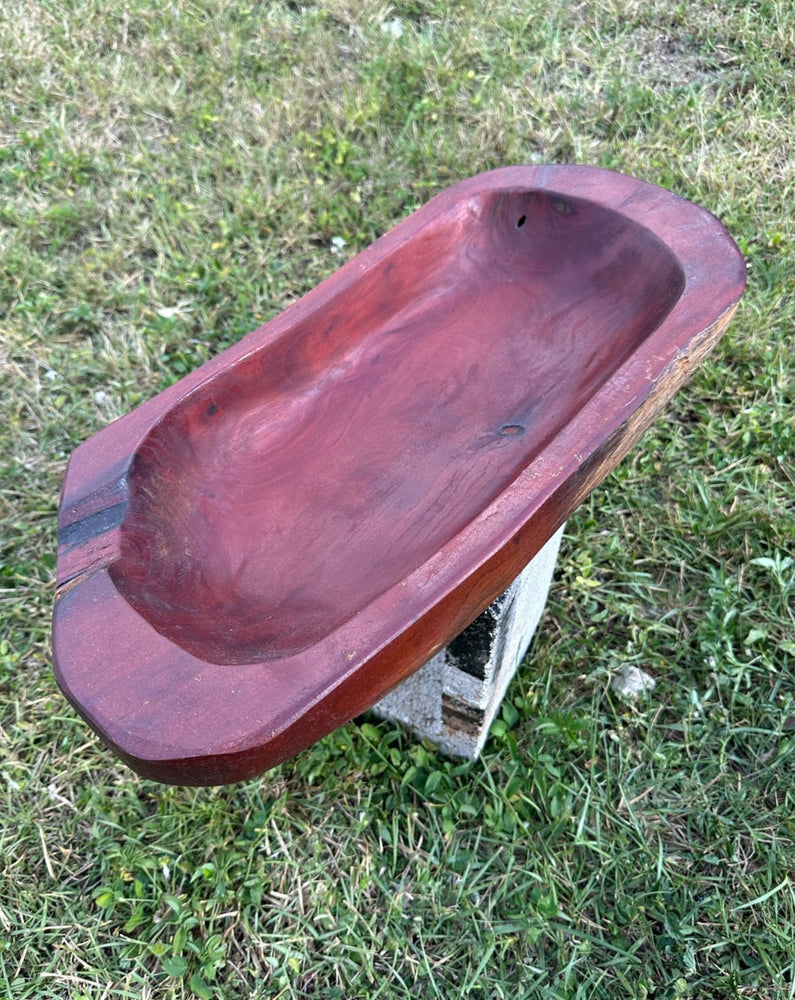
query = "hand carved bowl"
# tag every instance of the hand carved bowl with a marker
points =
(260, 552)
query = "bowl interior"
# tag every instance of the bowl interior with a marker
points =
(282, 496)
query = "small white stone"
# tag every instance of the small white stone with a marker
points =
(393, 28)
(631, 682)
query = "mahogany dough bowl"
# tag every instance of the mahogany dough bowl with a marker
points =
(264, 549)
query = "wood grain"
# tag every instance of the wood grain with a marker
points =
(260, 552)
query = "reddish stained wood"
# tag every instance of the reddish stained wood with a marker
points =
(260, 552)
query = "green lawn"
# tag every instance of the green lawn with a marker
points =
(173, 174)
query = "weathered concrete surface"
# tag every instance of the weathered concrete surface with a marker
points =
(453, 699)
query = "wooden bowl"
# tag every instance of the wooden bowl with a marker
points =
(260, 552)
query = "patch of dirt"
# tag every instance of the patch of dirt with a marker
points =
(672, 60)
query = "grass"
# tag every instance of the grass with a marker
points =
(170, 176)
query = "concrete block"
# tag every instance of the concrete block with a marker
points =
(453, 699)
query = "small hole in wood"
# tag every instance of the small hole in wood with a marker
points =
(521, 221)
(508, 429)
